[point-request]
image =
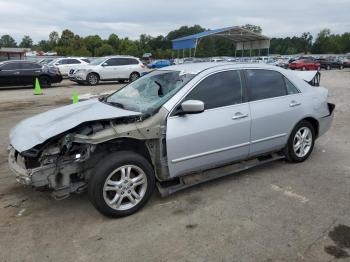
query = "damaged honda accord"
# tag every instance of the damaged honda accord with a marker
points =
(172, 128)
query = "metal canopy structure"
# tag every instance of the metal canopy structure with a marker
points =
(242, 38)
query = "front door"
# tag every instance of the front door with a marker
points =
(216, 136)
(111, 69)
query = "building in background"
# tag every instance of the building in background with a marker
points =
(12, 53)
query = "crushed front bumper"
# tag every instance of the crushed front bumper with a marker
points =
(326, 121)
(36, 177)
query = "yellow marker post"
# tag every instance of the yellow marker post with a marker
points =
(37, 87)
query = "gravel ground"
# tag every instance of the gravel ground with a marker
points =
(276, 212)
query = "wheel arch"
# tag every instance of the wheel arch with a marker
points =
(134, 72)
(94, 72)
(127, 144)
(314, 122)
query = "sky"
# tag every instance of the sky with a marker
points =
(278, 18)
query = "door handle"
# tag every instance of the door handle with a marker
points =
(294, 104)
(239, 115)
(16, 73)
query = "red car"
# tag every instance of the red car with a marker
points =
(305, 64)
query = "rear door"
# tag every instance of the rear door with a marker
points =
(29, 71)
(127, 66)
(216, 136)
(10, 74)
(276, 106)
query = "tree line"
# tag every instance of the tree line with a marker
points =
(70, 44)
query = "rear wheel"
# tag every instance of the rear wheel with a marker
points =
(301, 142)
(134, 76)
(45, 81)
(92, 79)
(121, 184)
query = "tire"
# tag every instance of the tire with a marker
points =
(45, 81)
(134, 76)
(92, 79)
(296, 154)
(107, 183)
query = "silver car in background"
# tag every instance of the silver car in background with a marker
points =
(173, 128)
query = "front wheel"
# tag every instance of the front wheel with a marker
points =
(300, 143)
(92, 79)
(45, 81)
(121, 184)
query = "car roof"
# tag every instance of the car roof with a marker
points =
(17, 61)
(120, 56)
(195, 68)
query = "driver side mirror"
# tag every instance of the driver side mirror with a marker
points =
(192, 107)
(105, 64)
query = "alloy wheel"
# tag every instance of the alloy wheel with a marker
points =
(125, 187)
(302, 142)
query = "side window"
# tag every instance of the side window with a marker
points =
(263, 84)
(113, 62)
(63, 62)
(11, 66)
(86, 60)
(30, 66)
(73, 61)
(218, 90)
(291, 89)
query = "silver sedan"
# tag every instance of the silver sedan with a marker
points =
(172, 128)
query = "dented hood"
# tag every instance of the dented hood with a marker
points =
(37, 129)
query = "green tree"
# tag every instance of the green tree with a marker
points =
(253, 28)
(7, 41)
(66, 38)
(92, 42)
(105, 49)
(53, 39)
(26, 42)
(114, 41)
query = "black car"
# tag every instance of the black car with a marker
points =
(329, 63)
(21, 73)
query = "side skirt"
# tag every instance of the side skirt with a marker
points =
(190, 180)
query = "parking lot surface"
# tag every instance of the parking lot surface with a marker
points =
(276, 212)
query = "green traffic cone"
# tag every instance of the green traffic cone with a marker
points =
(75, 97)
(37, 87)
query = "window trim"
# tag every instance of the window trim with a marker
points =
(244, 91)
(275, 97)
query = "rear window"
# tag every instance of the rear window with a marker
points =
(264, 84)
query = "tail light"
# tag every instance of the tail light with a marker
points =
(142, 65)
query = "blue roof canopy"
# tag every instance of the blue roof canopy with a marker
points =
(236, 34)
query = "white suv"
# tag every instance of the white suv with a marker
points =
(108, 68)
(66, 63)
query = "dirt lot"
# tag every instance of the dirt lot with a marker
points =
(278, 212)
